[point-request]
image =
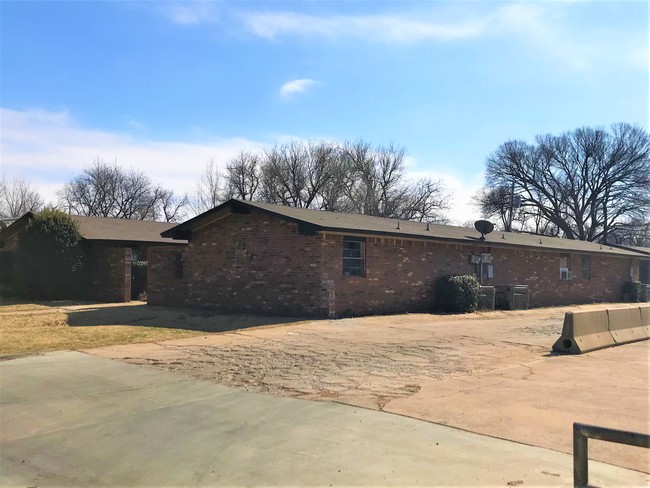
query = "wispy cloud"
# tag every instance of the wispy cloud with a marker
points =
(295, 86)
(190, 13)
(49, 148)
(544, 27)
(384, 28)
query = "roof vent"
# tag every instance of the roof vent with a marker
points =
(503, 236)
(428, 226)
(540, 241)
(484, 227)
(398, 225)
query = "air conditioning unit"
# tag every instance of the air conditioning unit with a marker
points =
(565, 274)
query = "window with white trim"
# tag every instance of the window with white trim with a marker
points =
(565, 268)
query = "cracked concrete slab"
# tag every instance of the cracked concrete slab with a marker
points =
(72, 419)
(470, 371)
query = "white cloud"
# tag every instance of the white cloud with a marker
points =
(462, 190)
(295, 86)
(190, 13)
(372, 27)
(545, 27)
(48, 148)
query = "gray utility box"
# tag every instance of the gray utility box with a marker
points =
(645, 293)
(486, 299)
(513, 297)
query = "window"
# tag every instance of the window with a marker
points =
(586, 267)
(565, 268)
(178, 266)
(354, 256)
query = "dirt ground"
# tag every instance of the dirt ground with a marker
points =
(490, 373)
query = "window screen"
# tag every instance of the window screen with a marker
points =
(354, 257)
(586, 267)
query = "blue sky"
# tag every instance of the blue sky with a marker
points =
(166, 86)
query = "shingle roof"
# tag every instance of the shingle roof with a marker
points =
(322, 221)
(107, 229)
(642, 250)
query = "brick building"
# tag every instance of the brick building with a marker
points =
(113, 245)
(269, 259)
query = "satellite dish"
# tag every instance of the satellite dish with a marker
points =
(484, 227)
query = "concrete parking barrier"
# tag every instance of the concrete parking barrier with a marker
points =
(625, 325)
(584, 331)
(645, 318)
(596, 329)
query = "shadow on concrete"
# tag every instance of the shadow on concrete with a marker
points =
(171, 318)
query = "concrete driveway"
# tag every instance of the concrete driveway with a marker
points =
(73, 419)
(490, 373)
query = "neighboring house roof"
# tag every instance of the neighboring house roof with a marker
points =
(321, 221)
(106, 229)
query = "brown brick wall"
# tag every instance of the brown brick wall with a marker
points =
(541, 272)
(261, 264)
(244, 263)
(110, 273)
(400, 274)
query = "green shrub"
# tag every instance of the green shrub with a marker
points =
(458, 293)
(632, 291)
(50, 258)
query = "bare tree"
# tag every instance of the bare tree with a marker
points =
(361, 185)
(495, 203)
(243, 176)
(378, 185)
(425, 201)
(210, 191)
(171, 207)
(295, 174)
(587, 183)
(107, 190)
(333, 194)
(17, 197)
(634, 233)
(284, 174)
(352, 177)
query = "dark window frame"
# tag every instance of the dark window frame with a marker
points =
(354, 256)
(178, 266)
(585, 267)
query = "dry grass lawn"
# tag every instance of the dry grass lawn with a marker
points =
(50, 326)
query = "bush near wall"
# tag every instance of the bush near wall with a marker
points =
(632, 291)
(458, 293)
(7, 281)
(51, 260)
